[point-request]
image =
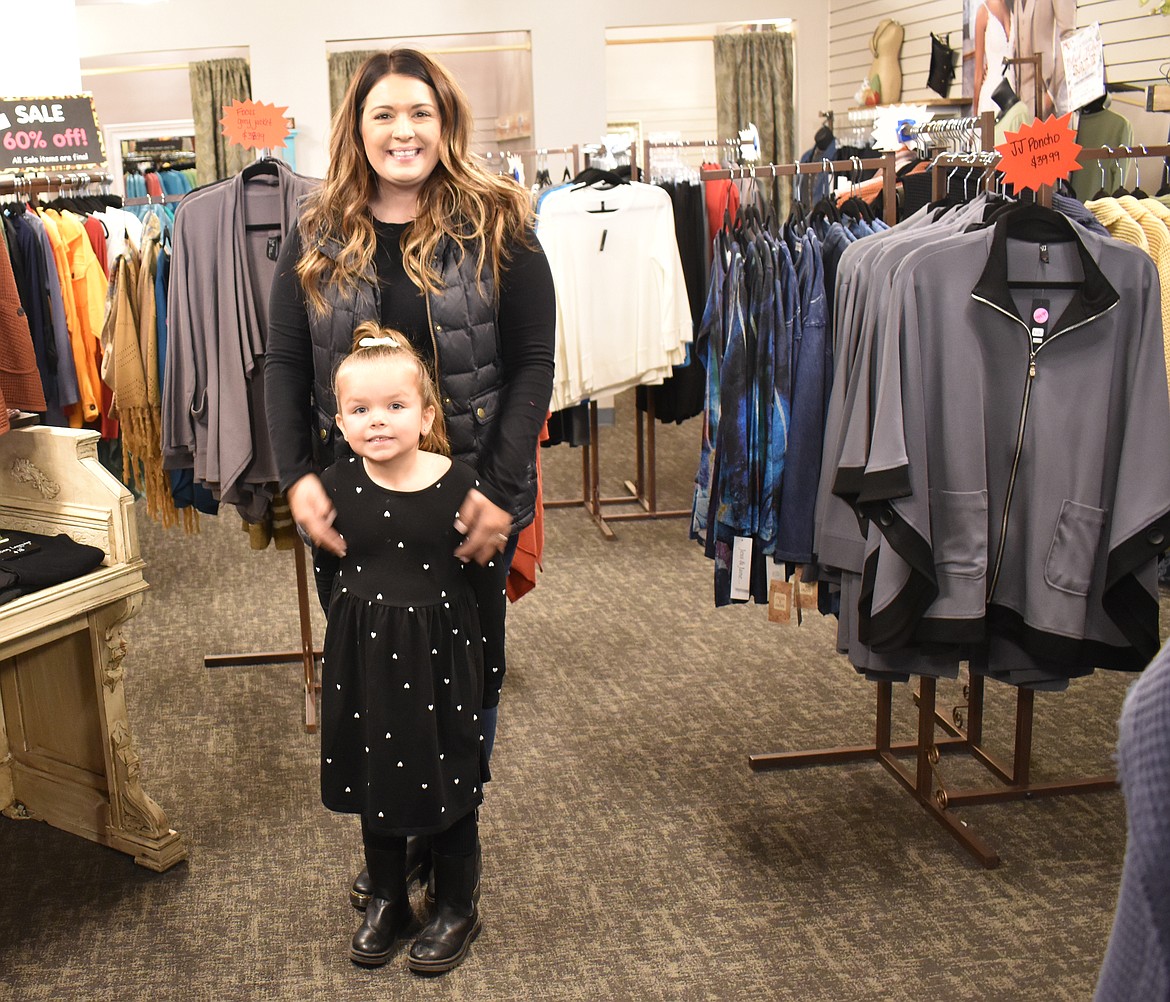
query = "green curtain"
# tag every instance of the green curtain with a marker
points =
(342, 67)
(214, 84)
(753, 83)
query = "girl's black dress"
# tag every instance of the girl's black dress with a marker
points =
(402, 673)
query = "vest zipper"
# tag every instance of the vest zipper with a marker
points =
(1007, 505)
(434, 340)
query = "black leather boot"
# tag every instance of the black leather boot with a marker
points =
(418, 867)
(444, 941)
(429, 893)
(388, 914)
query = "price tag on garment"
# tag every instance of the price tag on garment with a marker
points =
(780, 602)
(255, 125)
(1040, 153)
(50, 133)
(741, 569)
(805, 594)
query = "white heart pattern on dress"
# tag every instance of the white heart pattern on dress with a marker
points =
(401, 546)
(359, 490)
(424, 786)
(426, 567)
(372, 634)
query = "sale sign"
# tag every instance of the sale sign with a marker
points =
(254, 125)
(50, 134)
(1040, 153)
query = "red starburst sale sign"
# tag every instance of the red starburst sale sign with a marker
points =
(1042, 152)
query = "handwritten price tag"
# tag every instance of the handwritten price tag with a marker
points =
(1040, 153)
(254, 125)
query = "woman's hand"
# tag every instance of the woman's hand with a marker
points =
(486, 526)
(313, 511)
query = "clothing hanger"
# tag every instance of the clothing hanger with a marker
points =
(1038, 225)
(1137, 176)
(264, 167)
(1120, 191)
(1101, 192)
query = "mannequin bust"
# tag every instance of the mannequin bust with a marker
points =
(885, 73)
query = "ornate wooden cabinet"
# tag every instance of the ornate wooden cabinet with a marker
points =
(67, 753)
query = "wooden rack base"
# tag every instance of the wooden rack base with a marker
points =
(964, 734)
(309, 657)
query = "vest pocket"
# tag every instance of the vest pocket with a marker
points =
(1069, 567)
(484, 406)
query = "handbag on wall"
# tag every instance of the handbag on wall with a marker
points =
(942, 64)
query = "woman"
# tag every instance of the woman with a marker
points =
(993, 36)
(409, 230)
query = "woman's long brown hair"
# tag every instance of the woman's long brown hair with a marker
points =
(461, 199)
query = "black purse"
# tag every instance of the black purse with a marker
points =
(942, 65)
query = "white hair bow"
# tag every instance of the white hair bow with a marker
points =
(373, 342)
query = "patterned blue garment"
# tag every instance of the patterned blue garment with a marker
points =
(709, 349)
(768, 351)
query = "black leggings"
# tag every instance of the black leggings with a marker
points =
(458, 840)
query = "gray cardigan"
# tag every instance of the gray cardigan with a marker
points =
(1137, 963)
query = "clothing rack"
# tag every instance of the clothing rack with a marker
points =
(964, 731)
(167, 199)
(307, 655)
(885, 163)
(591, 498)
(643, 489)
(1140, 152)
(29, 185)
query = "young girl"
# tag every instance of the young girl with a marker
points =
(402, 677)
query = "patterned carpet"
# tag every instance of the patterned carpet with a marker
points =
(629, 852)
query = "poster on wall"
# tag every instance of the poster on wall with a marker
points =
(999, 30)
(50, 134)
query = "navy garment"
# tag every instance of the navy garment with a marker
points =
(812, 368)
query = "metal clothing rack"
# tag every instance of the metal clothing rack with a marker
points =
(592, 499)
(643, 489)
(962, 733)
(166, 199)
(29, 185)
(307, 655)
(885, 163)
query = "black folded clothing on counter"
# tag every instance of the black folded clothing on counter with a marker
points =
(30, 562)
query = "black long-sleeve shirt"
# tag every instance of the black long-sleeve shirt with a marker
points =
(526, 323)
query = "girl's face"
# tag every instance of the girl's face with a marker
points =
(380, 408)
(401, 132)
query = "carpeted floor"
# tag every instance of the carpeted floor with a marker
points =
(629, 852)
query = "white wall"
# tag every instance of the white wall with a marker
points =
(286, 40)
(30, 68)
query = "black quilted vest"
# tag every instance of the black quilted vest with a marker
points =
(467, 352)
